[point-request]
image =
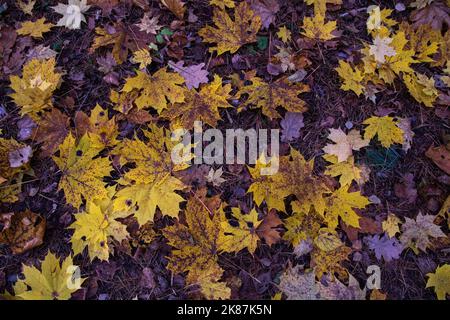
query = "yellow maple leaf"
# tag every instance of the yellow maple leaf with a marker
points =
(35, 29)
(222, 4)
(421, 88)
(270, 96)
(102, 131)
(143, 199)
(424, 40)
(142, 57)
(316, 28)
(390, 225)
(352, 78)
(347, 170)
(150, 184)
(440, 280)
(244, 234)
(202, 105)
(156, 89)
(302, 225)
(327, 240)
(394, 64)
(198, 244)
(11, 172)
(34, 90)
(95, 227)
(379, 21)
(208, 280)
(27, 8)
(329, 262)
(82, 171)
(342, 204)
(231, 35)
(320, 6)
(293, 177)
(284, 34)
(385, 128)
(55, 280)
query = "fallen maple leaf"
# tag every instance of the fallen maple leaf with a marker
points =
(384, 247)
(95, 227)
(291, 125)
(344, 144)
(124, 38)
(156, 89)
(440, 280)
(352, 78)
(416, 232)
(51, 282)
(149, 184)
(81, 174)
(194, 75)
(270, 96)
(390, 225)
(266, 10)
(72, 13)
(149, 25)
(51, 132)
(202, 105)
(267, 230)
(22, 231)
(298, 284)
(316, 28)
(35, 29)
(198, 243)
(437, 14)
(440, 156)
(26, 7)
(215, 177)
(231, 35)
(34, 90)
(176, 6)
(385, 128)
(381, 48)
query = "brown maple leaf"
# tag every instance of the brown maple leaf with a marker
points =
(22, 231)
(52, 129)
(267, 230)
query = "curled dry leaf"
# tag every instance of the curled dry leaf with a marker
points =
(22, 231)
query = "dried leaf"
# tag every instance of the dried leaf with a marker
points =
(22, 231)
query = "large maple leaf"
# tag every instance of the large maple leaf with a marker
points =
(242, 234)
(150, 183)
(124, 39)
(34, 90)
(294, 177)
(95, 227)
(202, 105)
(341, 204)
(270, 96)
(51, 282)
(198, 244)
(156, 89)
(82, 171)
(231, 35)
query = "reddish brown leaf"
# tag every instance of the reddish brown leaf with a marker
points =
(440, 156)
(51, 131)
(22, 231)
(267, 229)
